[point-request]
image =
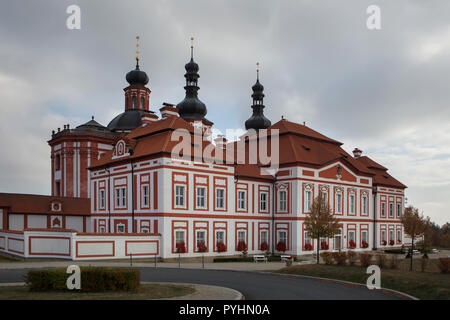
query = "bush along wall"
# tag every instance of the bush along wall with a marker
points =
(93, 279)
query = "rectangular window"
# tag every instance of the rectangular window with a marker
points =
(102, 229)
(364, 205)
(57, 162)
(351, 236)
(282, 202)
(121, 228)
(145, 195)
(220, 237)
(264, 237)
(241, 200)
(308, 200)
(101, 199)
(324, 198)
(120, 197)
(220, 198)
(308, 239)
(399, 236)
(391, 209)
(399, 210)
(351, 200)
(241, 236)
(338, 203)
(282, 237)
(201, 237)
(383, 209)
(383, 235)
(391, 235)
(179, 196)
(201, 197)
(263, 201)
(179, 236)
(58, 189)
(338, 240)
(364, 236)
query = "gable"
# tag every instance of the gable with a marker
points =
(332, 173)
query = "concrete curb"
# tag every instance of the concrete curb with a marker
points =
(197, 295)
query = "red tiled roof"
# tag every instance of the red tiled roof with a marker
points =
(40, 204)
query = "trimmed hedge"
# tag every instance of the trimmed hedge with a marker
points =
(93, 279)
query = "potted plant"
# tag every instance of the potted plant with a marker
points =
(352, 244)
(181, 248)
(365, 244)
(308, 247)
(221, 247)
(202, 247)
(264, 246)
(391, 242)
(383, 242)
(324, 245)
(281, 246)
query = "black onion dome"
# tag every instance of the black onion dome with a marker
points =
(257, 122)
(128, 120)
(137, 77)
(191, 107)
(258, 91)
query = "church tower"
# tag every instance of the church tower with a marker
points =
(191, 108)
(257, 121)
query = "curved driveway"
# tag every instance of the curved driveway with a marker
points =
(264, 286)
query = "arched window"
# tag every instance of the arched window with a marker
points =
(142, 102)
(134, 102)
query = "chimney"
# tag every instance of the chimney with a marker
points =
(147, 118)
(357, 153)
(168, 109)
(220, 141)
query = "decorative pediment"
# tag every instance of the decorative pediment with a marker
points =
(338, 172)
(121, 149)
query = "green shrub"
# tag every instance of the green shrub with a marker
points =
(327, 257)
(365, 259)
(394, 251)
(340, 257)
(92, 279)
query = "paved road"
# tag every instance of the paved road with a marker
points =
(252, 285)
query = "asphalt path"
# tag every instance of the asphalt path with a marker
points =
(254, 286)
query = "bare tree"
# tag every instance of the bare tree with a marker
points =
(321, 222)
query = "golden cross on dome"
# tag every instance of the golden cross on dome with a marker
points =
(137, 48)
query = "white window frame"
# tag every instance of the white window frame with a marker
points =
(203, 232)
(364, 205)
(120, 197)
(391, 233)
(220, 201)
(383, 235)
(176, 233)
(338, 204)
(102, 229)
(263, 203)
(118, 226)
(364, 236)
(308, 200)
(391, 210)
(307, 238)
(352, 232)
(284, 237)
(242, 201)
(239, 233)
(145, 195)
(101, 199)
(399, 210)
(282, 202)
(265, 238)
(180, 198)
(383, 209)
(200, 197)
(399, 235)
(222, 232)
(351, 204)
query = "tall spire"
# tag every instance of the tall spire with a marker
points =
(137, 52)
(257, 120)
(191, 107)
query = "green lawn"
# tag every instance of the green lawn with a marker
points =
(423, 285)
(4, 258)
(146, 291)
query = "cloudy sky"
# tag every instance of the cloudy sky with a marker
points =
(385, 91)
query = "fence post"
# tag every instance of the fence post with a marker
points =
(203, 261)
(179, 260)
(155, 260)
(131, 259)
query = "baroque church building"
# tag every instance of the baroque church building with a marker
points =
(120, 190)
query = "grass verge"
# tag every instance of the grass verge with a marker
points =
(145, 291)
(422, 285)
